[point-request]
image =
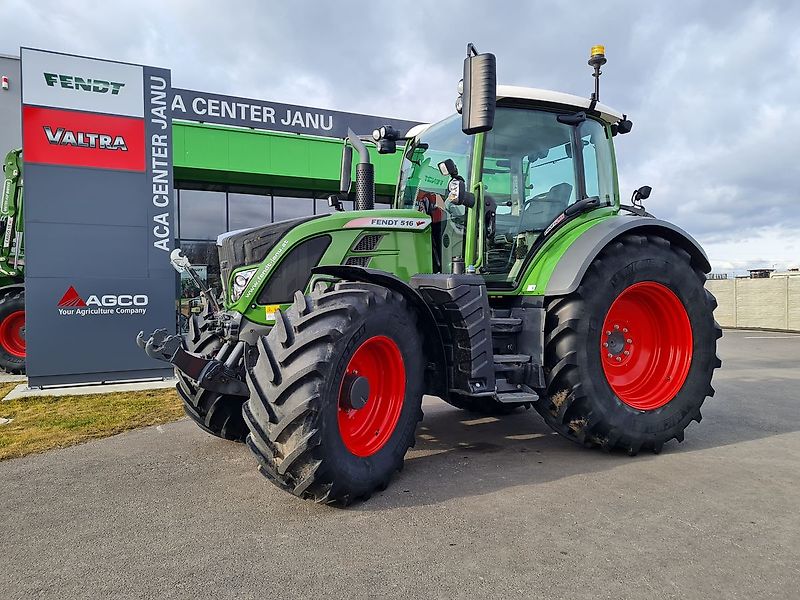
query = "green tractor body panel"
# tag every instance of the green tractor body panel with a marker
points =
(395, 241)
(536, 279)
(12, 254)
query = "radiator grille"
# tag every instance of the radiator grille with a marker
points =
(367, 242)
(358, 261)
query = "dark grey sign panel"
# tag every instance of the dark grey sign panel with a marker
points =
(85, 327)
(104, 198)
(158, 137)
(275, 116)
(99, 216)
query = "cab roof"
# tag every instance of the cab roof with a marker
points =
(561, 99)
(548, 97)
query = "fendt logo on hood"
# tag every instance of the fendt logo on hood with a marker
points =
(85, 84)
(84, 139)
(73, 304)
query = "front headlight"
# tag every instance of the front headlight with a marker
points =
(240, 281)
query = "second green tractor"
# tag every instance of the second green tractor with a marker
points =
(507, 274)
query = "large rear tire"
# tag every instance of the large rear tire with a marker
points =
(215, 413)
(335, 392)
(12, 332)
(629, 356)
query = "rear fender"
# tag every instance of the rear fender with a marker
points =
(573, 264)
(436, 373)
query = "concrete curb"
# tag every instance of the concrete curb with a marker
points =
(23, 391)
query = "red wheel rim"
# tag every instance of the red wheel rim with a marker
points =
(366, 430)
(646, 345)
(12, 333)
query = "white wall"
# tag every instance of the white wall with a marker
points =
(772, 303)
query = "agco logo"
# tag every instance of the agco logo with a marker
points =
(72, 303)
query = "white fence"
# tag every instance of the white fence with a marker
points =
(772, 303)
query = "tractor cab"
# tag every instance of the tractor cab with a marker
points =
(524, 176)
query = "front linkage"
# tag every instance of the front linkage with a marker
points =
(208, 361)
(209, 373)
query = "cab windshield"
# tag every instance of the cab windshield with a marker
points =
(531, 174)
(423, 187)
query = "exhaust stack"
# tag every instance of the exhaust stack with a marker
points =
(365, 175)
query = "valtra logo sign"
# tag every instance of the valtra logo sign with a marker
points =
(85, 139)
(73, 304)
(68, 137)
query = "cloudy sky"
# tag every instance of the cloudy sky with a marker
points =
(711, 87)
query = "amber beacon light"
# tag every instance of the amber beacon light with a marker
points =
(597, 59)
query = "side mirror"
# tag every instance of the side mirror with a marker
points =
(643, 193)
(457, 188)
(347, 166)
(478, 92)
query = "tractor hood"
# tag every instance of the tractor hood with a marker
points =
(276, 260)
(251, 246)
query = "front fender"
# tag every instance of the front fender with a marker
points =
(573, 264)
(437, 382)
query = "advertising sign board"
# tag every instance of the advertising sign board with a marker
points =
(99, 216)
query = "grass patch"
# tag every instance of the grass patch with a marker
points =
(43, 423)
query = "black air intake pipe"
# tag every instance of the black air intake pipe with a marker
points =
(365, 175)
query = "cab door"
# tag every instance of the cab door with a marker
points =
(531, 174)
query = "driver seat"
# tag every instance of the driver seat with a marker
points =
(541, 211)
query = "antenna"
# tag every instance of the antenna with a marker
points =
(597, 59)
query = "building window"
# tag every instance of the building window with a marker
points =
(248, 210)
(291, 204)
(202, 214)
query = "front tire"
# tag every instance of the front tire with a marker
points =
(218, 414)
(335, 392)
(629, 356)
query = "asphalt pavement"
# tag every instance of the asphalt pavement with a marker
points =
(485, 508)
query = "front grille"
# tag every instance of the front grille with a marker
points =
(358, 261)
(367, 242)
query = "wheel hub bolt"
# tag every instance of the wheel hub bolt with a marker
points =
(605, 344)
(626, 352)
(629, 340)
(619, 359)
(610, 355)
(624, 330)
(616, 326)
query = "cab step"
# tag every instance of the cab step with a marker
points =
(504, 359)
(502, 325)
(516, 397)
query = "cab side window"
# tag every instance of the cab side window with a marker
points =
(597, 161)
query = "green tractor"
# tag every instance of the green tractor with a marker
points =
(506, 275)
(12, 267)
